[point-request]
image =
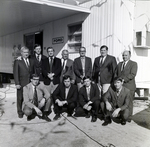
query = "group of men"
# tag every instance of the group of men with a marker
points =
(69, 86)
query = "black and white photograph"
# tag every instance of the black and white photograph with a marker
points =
(74, 73)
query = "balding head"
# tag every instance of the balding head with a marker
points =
(126, 55)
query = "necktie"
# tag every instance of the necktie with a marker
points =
(63, 65)
(51, 63)
(102, 58)
(83, 65)
(27, 63)
(35, 98)
(123, 66)
(38, 58)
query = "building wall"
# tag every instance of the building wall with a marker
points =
(142, 23)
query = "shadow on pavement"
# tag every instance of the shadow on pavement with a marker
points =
(142, 118)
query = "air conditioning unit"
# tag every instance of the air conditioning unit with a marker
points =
(142, 39)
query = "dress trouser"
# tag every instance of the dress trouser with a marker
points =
(132, 93)
(69, 108)
(108, 114)
(19, 101)
(46, 109)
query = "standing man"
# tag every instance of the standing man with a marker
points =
(103, 69)
(36, 100)
(127, 70)
(38, 59)
(116, 103)
(89, 99)
(65, 97)
(67, 67)
(51, 68)
(82, 67)
(22, 70)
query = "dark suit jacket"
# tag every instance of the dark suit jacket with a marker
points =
(69, 70)
(94, 94)
(56, 69)
(122, 101)
(128, 74)
(78, 68)
(106, 70)
(59, 93)
(38, 65)
(22, 74)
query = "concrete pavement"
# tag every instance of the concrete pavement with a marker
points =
(67, 131)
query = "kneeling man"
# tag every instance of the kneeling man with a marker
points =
(89, 99)
(116, 103)
(36, 100)
(65, 97)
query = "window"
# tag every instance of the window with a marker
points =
(138, 38)
(74, 37)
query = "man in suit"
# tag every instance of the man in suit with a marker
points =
(36, 100)
(89, 99)
(65, 97)
(67, 67)
(127, 70)
(22, 70)
(103, 69)
(116, 103)
(51, 68)
(38, 59)
(82, 67)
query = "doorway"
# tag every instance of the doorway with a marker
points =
(33, 38)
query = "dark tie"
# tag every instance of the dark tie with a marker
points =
(123, 66)
(35, 98)
(27, 63)
(63, 68)
(102, 58)
(38, 58)
(51, 63)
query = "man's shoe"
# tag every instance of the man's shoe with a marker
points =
(129, 120)
(88, 115)
(123, 122)
(20, 115)
(45, 117)
(106, 123)
(57, 116)
(29, 118)
(94, 119)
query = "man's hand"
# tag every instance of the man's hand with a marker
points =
(85, 106)
(42, 103)
(18, 58)
(38, 111)
(60, 103)
(89, 108)
(18, 86)
(64, 102)
(50, 75)
(89, 103)
(116, 112)
(108, 106)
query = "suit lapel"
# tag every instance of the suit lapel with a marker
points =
(23, 62)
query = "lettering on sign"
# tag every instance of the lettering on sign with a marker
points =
(58, 40)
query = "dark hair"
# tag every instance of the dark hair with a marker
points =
(86, 77)
(36, 45)
(50, 48)
(65, 77)
(35, 76)
(118, 79)
(104, 46)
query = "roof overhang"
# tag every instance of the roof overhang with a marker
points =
(17, 15)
